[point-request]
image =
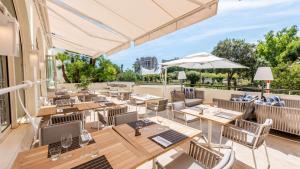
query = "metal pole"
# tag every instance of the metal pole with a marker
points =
(165, 82)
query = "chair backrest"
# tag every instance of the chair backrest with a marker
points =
(178, 105)
(177, 96)
(58, 119)
(53, 133)
(263, 132)
(162, 105)
(89, 97)
(112, 112)
(125, 96)
(64, 102)
(203, 155)
(99, 99)
(249, 109)
(126, 118)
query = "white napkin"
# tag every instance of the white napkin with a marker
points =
(162, 141)
(86, 137)
(59, 110)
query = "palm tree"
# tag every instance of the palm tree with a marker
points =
(63, 57)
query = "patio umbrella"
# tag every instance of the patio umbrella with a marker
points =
(204, 61)
(201, 61)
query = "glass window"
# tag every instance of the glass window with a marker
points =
(5, 119)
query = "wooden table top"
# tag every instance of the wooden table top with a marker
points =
(146, 97)
(119, 153)
(82, 106)
(52, 96)
(148, 147)
(210, 114)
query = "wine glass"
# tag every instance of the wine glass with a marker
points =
(55, 153)
(66, 142)
(84, 140)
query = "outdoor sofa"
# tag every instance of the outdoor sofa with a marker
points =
(190, 96)
(285, 118)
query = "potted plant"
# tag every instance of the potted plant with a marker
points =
(84, 83)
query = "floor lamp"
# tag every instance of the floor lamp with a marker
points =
(264, 74)
(181, 78)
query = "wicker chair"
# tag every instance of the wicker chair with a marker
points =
(53, 133)
(126, 118)
(201, 157)
(157, 106)
(63, 97)
(189, 101)
(247, 107)
(285, 119)
(177, 114)
(64, 102)
(249, 134)
(124, 96)
(58, 119)
(108, 116)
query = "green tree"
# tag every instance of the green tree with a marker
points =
(238, 51)
(63, 57)
(128, 76)
(106, 70)
(193, 77)
(275, 44)
(292, 53)
(286, 76)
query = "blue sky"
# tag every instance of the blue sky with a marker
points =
(245, 19)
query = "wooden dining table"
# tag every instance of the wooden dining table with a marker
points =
(119, 153)
(118, 144)
(212, 115)
(149, 148)
(77, 107)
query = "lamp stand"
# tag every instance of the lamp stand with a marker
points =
(181, 84)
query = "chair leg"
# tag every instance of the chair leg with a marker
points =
(255, 165)
(221, 136)
(267, 154)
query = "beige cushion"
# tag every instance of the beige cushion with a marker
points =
(193, 102)
(184, 161)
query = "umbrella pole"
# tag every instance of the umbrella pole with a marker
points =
(165, 82)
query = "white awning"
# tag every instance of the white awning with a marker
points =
(96, 27)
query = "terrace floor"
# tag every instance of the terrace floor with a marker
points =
(284, 152)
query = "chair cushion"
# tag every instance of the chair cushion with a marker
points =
(178, 105)
(189, 118)
(189, 92)
(184, 161)
(193, 102)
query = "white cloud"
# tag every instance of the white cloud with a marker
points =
(285, 13)
(232, 5)
(224, 31)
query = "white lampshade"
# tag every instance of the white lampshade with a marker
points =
(181, 75)
(263, 73)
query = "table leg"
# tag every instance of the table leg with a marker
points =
(154, 163)
(209, 129)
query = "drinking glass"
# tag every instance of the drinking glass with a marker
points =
(66, 142)
(84, 141)
(55, 153)
(95, 151)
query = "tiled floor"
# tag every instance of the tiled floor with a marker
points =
(283, 152)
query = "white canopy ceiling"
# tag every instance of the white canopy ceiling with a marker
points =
(203, 61)
(96, 27)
